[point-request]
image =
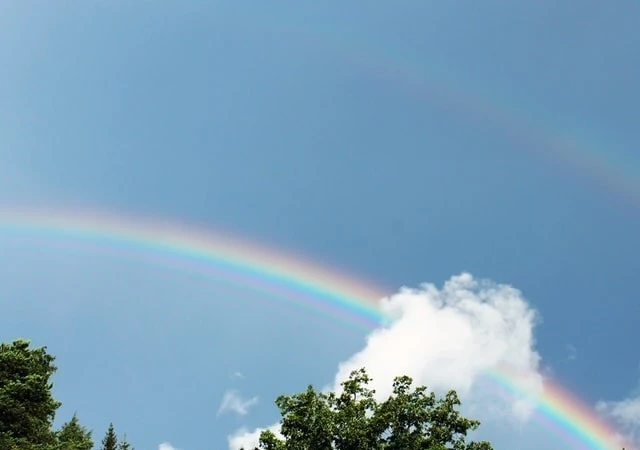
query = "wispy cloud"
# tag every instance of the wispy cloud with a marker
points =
(572, 352)
(625, 413)
(446, 339)
(233, 402)
(239, 375)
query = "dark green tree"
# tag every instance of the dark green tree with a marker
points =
(27, 406)
(110, 440)
(410, 419)
(73, 436)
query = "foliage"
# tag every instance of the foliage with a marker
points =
(73, 436)
(124, 445)
(110, 440)
(27, 406)
(410, 419)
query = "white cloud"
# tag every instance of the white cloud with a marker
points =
(166, 446)
(248, 440)
(238, 375)
(447, 339)
(625, 412)
(233, 402)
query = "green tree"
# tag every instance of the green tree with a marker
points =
(73, 436)
(410, 419)
(27, 406)
(110, 440)
(124, 444)
(352, 411)
(307, 420)
(414, 419)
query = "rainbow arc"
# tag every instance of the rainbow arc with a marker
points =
(293, 279)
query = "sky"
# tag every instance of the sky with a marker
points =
(419, 145)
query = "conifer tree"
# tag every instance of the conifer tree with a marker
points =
(110, 440)
(124, 444)
(73, 436)
(27, 406)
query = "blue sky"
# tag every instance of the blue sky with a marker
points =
(402, 142)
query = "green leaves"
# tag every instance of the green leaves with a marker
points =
(27, 406)
(351, 413)
(124, 445)
(73, 436)
(110, 440)
(307, 421)
(411, 418)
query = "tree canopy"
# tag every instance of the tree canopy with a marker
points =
(73, 436)
(28, 408)
(410, 419)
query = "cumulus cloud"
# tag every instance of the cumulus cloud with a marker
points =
(166, 446)
(448, 339)
(233, 402)
(246, 439)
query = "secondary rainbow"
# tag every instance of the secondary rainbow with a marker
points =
(308, 284)
(533, 131)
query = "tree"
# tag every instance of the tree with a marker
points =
(27, 406)
(308, 421)
(73, 436)
(410, 419)
(354, 429)
(124, 445)
(110, 440)
(415, 419)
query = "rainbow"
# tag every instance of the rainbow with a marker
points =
(564, 413)
(310, 285)
(435, 83)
